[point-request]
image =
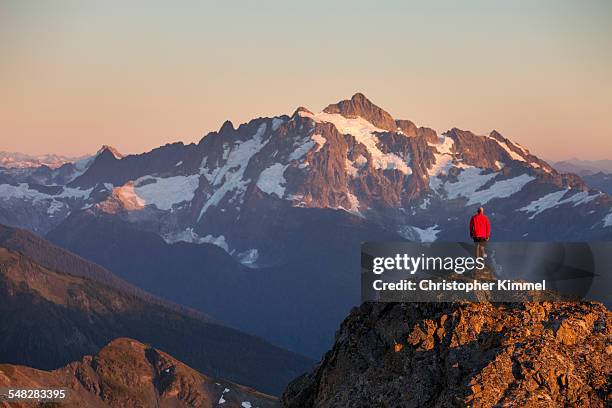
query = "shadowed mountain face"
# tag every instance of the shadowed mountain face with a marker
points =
(129, 374)
(56, 258)
(50, 318)
(600, 181)
(480, 355)
(295, 302)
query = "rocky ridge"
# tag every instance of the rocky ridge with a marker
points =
(353, 156)
(129, 374)
(464, 354)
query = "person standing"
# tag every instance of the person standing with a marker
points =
(480, 231)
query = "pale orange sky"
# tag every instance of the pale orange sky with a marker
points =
(75, 75)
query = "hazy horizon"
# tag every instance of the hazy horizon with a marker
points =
(76, 76)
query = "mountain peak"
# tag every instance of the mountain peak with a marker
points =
(360, 105)
(496, 135)
(109, 149)
(358, 97)
(227, 126)
(301, 109)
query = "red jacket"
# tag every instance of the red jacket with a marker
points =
(480, 226)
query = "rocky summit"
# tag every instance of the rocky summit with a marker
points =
(129, 374)
(464, 354)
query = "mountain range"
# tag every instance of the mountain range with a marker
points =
(270, 214)
(352, 157)
(25, 161)
(600, 181)
(56, 258)
(584, 167)
(51, 317)
(595, 173)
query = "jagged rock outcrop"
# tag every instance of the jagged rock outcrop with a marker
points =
(464, 354)
(130, 374)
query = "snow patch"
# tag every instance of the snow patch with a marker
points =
(272, 181)
(55, 206)
(555, 199)
(351, 169)
(126, 194)
(189, 235)
(520, 146)
(445, 145)
(301, 150)
(55, 202)
(501, 189)
(166, 192)
(319, 140)
(246, 404)
(513, 155)
(607, 221)
(361, 161)
(218, 241)
(419, 234)
(68, 192)
(230, 176)
(365, 133)
(248, 257)
(441, 165)
(23, 191)
(186, 235)
(468, 181)
(81, 167)
(276, 123)
(471, 179)
(443, 160)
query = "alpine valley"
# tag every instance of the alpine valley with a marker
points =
(259, 225)
(56, 308)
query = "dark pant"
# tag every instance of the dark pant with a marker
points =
(481, 243)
